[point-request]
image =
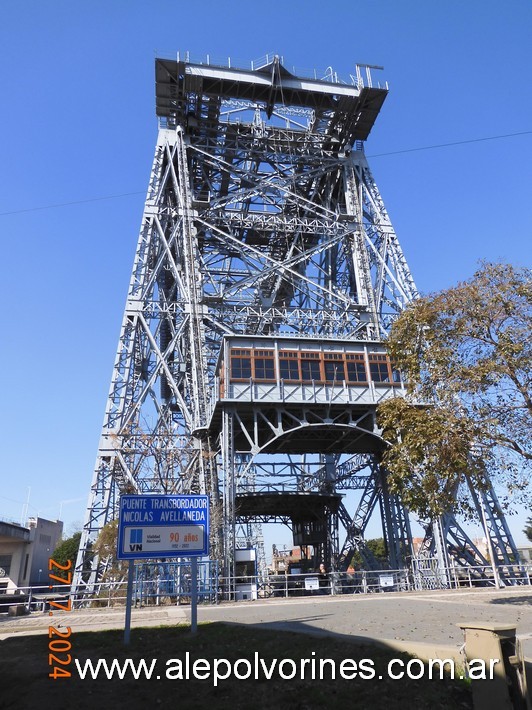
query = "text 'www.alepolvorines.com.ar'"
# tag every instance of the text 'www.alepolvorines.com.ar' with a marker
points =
(312, 668)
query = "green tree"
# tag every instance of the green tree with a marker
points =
(430, 449)
(378, 547)
(68, 550)
(528, 529)
(466, 354)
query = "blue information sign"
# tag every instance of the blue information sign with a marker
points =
(154, 526)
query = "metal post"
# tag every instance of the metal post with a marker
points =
(194, 596)
(490, 545)
(129, 596)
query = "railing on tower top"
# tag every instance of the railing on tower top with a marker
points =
(360, 78)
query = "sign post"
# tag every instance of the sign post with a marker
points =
(157, 526)
(129, 596)
(194, 595)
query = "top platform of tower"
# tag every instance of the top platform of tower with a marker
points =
(185, 89)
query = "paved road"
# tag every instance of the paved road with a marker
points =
(404, 620)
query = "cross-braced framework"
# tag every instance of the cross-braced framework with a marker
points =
(251, 359)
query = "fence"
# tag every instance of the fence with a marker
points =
(170, 583)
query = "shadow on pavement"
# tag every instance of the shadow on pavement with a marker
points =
(521, 601)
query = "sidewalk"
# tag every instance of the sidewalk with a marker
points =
(92, 620)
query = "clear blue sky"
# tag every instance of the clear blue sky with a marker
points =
(78, 122)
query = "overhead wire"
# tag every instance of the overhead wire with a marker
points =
(374, 155)
(73, 202)
(447, 145)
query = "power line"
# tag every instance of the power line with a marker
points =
(375, 155)
(75, 202)
(447, 145)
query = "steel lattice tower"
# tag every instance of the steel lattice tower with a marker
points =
(251, 355)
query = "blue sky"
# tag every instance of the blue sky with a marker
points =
(78, 124)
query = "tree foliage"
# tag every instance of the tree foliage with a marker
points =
(430, 449)
(378, 548)
(528, 529)
(105, 545)
(68, 550)
(466, 352)
(105, 548)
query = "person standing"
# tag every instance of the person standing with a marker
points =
(323, 580)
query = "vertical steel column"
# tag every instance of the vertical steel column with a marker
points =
(395, 525)
(112, 474)
(229, 497)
